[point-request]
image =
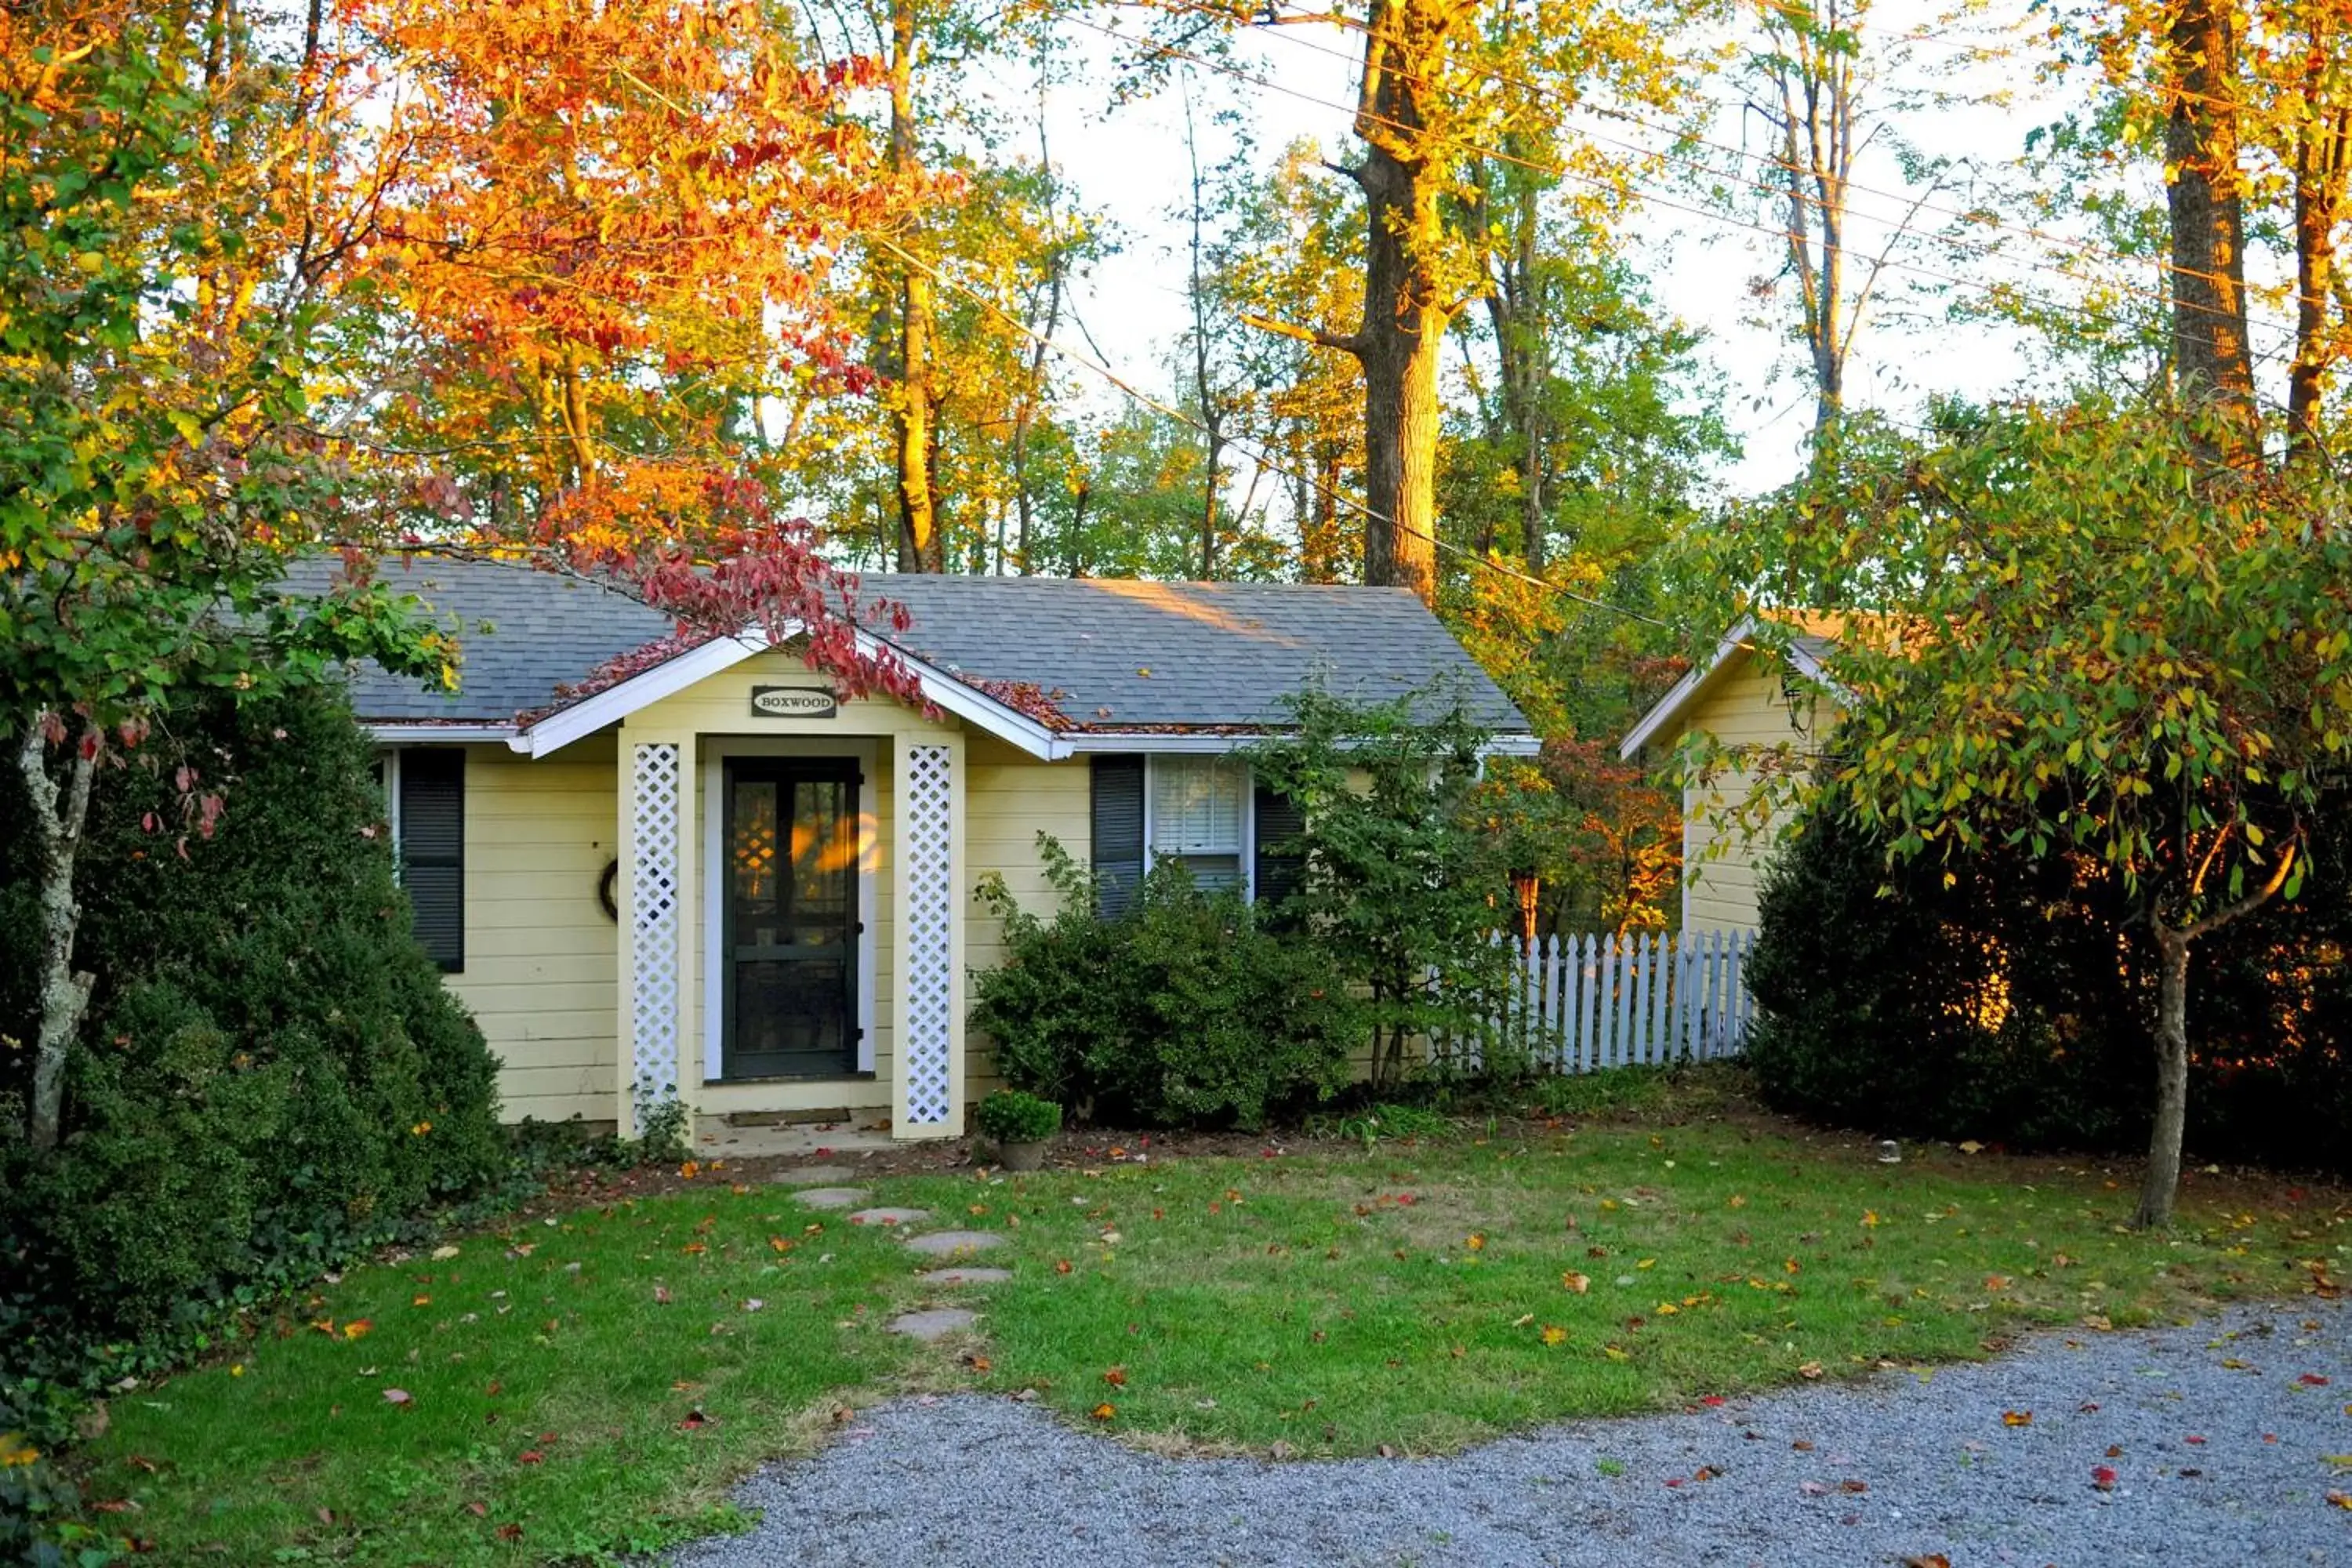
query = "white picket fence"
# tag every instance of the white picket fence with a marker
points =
(1582, 1004)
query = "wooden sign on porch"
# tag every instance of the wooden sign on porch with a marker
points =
(794, 702)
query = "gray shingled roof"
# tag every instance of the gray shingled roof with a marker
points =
(1114, 655)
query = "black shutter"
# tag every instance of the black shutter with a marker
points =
(433, 851)
(1118, 849)
(1281, 859)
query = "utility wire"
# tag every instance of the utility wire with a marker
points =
(1783, 193)
(1559, 171)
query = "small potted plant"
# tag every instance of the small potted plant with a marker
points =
(1020, 1125)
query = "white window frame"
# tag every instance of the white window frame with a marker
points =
(389, 757)
(1152, 763)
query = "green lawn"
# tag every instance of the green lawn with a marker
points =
(591, 1385)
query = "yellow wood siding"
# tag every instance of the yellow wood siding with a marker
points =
(1721, 861)
(539, 949)
(1013, 797)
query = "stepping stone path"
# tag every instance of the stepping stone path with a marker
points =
(833, 1197)
(947, 1243)
(812, 1176)
(889, 1216)
(933, 1324)
(966, 1276)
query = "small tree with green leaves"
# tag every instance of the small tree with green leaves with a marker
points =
(2069, 631)
(1398, 880)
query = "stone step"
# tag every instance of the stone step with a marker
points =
(965, 1276)
(934, 1323)
(812, 1176)
(889, 1216)
(833, 1197)
(949, 1243)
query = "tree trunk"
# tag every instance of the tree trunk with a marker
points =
(1406, 309)
(2323, 157)
(1514, 310)
(59, 815)
(2171, 1077)
(2206, 197)
(921, 548)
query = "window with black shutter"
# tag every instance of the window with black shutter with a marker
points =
(1118, 848)
(1281, 857)
(433, 850)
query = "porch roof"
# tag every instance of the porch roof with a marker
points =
(1093, 658)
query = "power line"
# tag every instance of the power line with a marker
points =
(1917, 204)
(1644, 193)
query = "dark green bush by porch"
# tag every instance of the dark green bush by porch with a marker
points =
(2014, 1008)
(1182, 1010)
(271, 1073)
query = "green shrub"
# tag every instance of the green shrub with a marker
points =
(272, 1074)
(2008, 1006)
(1180, 1010)
(1010, 1116)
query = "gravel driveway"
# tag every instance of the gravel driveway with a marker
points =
(2214, 1464)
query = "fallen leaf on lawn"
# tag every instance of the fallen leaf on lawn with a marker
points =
(443, 1254)
(1063, 1266)
(2114, 1450)
(1970, 1146)
(1811, 1370)
(1386, 1452)
(1803, 1445)
(694, 1421)
(1103, 1412)
(478, 1510)
(1704, 1473)
(360, 1326)
(2341, 1499)
(1790, 1265)
(2312, 1380)
(1613, 1353)
(778, 1244)
(398, 1396)
(1647, 1263)
(1115, 1377)
(1553, 1334)
(1577, 1282)
(511, 1533)
(1738, 1201)
(2017, 1417)
(2103, 1477)
(1870, 1219)
(1856, 1488)
(661, 1295)
(977, 1362)
(1712, 1400)
(421, 1301)
(1996, 1282)
(531, 1456)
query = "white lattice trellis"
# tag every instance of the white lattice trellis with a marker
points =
(653, 925)
(926, 953)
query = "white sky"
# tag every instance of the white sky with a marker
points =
(1128, 164)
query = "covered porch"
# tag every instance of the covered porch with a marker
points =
(791, 956)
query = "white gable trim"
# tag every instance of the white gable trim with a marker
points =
(720, 655)
(1661, 718)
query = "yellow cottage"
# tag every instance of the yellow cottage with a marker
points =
(718, 879)
(1755, 703)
